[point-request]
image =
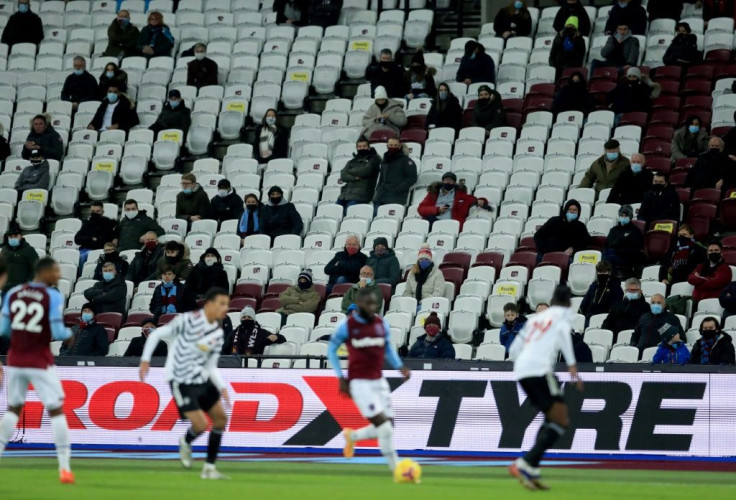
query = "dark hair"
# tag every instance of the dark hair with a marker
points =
(363, 293)
(130, 201)
(172, 245)
(223, 183)
(692, 118)
(662, 174)
(604, 266)
(168, 269)
(387, 51)
(215, 292)
(362, 138)
(622, 24)
(263, 121)
(716, 242)
(684, 25)
(713, 319)
(97, 204)
(41, 117)
(611, 144)
(510, 306)
(45, 264)
(562, 296)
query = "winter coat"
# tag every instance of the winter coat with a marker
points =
(202, 73)
(562, 58)
(558, 234)
(509, 332)
(124, 115)
(79, 88)
(159, 38)
(301, 6)
(582, 351)
(687, 145)
(646, 334)
(359, 176)
(34, 177)
(396, 179)
(4, 148)
(722, 352)
(625, 53)
(440, 348)
(280, 145)
(203, 277)
(709, 281)
(567, 10)
(683, 51)
(462, 203)
(420, 88)
(718, 8)
(144, 266)
(345, 265)
(694, 256)
(727, 299)
(121, 265)
(445, 114)
(121, 39)
(20, 262)
(324, 12)
(392, 80)
(625, 314)
(48, 142)
(600, 177)
(479, 69)
(119, 80)
(386, 268)
(395, 121)
(131, 230)
(226, 207)
(600, 299)
(349, 297)
(675, 354)
(519, 24)
(244, 230)
(627, 242)
(632, 15)
(95, 232)
(108, 296)
(195, 203)
(92, 340)
(630, 187)
(659, 205)
(296, 300)
(491, 115)
(23, 27)
(434, 286)
(280, 219)
(573, 97)
(259, 342)
(175, 118)
(633, 96)
(183, 301)
(135, 348)
(664, 9)
(709, 168)
(181, 264)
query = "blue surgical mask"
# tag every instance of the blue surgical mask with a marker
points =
(657, 308)
(636, 167)
(424, 264)
(108, 276)
(632, 295)
(187, 190)
(173, 103)
(368, 281)
(124, 21)
(443, 95)
(88, 317)
(112, 97)
(611, 156)
(693, 129)
(472, 56)
(571, 216)
(23, 7)
(624, 220)
(622, 4)
(110, 74)
(518, 5)
(271, 121)
(14, 242)
(79, 72)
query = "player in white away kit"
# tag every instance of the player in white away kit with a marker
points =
(191, 368)
(535, 352)
(33, 316)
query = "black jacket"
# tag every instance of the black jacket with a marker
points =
(91, 340)
(573, 97)
(301, 5)
(646, 333)
(359, 175)
(178, 118)
(324, 12)
(490, 115)
(709, 168)
(131, 230)
(49, 142)
(80, 88)
(447, 114)
(583, 353)
(630, 187)
(23, 28)
(108, 296)
(630, 96)
(479, 69)
(160, 39)
(625, 315)
(576, 9)
(95, 232)
(727, 299)
(119, 80)
(135, 348)
(144, 265)
(628, 243)
(122, 40)
(441, 348)
(203, 277)
(345, 265)
(392, 80)
(280, 144)
(600, 299)
(722, 352)
(202, 73)
(683, 51)
(665, 9)
(121, 265)
(183, 302)
(558, 234)
(280, 219)
(563, 57)
(227, 207)
(696, 255)
(658, 205)
(20, 262)
(396, 178)
(519, 24)
(250, 342)
(633, 15)
(4, 148)
(124, 116)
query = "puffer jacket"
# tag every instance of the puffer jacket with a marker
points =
(179, 118)
(121, 40)
(434, 286)
(90, 340)
(562, 58)
(462, 203)
(682, 51)
(21, 263)
(599, 177)
(345, 265)
(195, 203)
(386, 268)
(397, 176)
(203, 277)
(131, 230)
(296, 300)
(226, 207)
(440, 348)
(160, 39)
(359, 176)
(34, 177)
(145, 265)
(181, 263)
(395, 121)
(108, 296)
(276, 220)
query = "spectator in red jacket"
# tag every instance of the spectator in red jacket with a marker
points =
(449, 200)
(710, 278)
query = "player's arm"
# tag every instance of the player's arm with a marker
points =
(5, 317)
(518, 343)
(391, 355)
(568, 352)
(59, 331)
(338, 338)
(166, 332)
(215, 375)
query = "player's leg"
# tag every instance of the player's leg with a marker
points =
(555, 424)
(50, 392)
(384, 423)
(16, 391)
(212, 404)
(198, 424)
(8, 424)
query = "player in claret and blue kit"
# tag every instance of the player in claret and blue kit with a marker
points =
(33, 316)
(367, 337)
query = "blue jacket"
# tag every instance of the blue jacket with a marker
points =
(439, 349)
(675, 354)
(508, 334)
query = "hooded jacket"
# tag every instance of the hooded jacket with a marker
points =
(632, 14)
(646, 333)
(447, 113)
(397, 177)
(683, 51)
(23, 27)
(621, 54)
(722, 352)
(386, 268)
(179, 118)
(477, 69)
(359, 176)
(599, 299)
(195, 203)
(283, 218)
(203, 277)
(95, 232)
(79, 88)
(226, 207)
(625, 314)
(659, 205)
(121, 265)
(627, 242)
(183, 300)
(675, 354)
(630, 187)
(490, 115)
(158, 38)
(520, 24)
(687, 145)
(681, 261)
(392, 80)
(434, 285)
(181, 263)
(568, 10)
(108, 296)
(49, 143)
(144, 266)
(633, 96)
(599, 177)
(124, 115)
(202, 73)
(34, 177)
(20, 262)
(131, 230)
(567, 52)
(296, 300)
(90, 340)
(462, 203)
(395, 121)
(709, 281)
(345, 265)
(122, 40)
(349, 297)
(440, 348)
(558, 234)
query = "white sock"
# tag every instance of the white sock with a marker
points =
(385, 433)
(7, 426)
(367, 432)
(61, 440)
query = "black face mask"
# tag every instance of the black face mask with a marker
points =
(715, 151)
(714, 258)
(366, 316)
(447, 186)
(173, 259)
(248, 323)
(569, 32)
(708, 334)
(658, 188)
(417, 69)
(386, 64)
(683, 240)
(603, 278)
(111, 257)
(363, 152)
(251, 207)
(94, 216)
(483, 101)
(275, 200)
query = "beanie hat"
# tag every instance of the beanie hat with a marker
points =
(425, 252)
(248, 311)
(14, 228)
(666, 332)
(275, 189)
(380, 93)
(611, 144)
(380, 241)
(449, 175)
(90, 306)
(572, 20)
(634, 71)
(433, 319)
(306, 274)
(626, 210)
(485, 88)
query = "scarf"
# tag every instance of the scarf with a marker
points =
(706, 347)
(267, 138)
(245, 226)
(567, 44)
(241, 336)
(681, 255)
(168, 299)
(160, 30)
(421, 278)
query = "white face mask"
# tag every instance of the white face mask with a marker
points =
(131, 214)
(210, 261)
(199, 56)
(222, 192)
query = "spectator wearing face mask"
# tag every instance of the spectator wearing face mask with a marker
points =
(23, 26)
(633, 182)
(621, 50)
(144, 266)
(108, 294)
(432, 345)
(711, 277)
(603, 293)
(250, 338)
(476, 66)
(574, 96)
(155, 38)
(346, 264)
(359, 176)
(135, 348)
(250, 220)
(384, 114)
(625, 243)
(35, 175)
(110, 254)
(80, 86)
(175, 256)
(630, 13)
(711, 167)
(714, 347)
(95, 232)
(419, 80)
(302, 298)
(690, 140)
(647, 331)
(272, 140)
(280, 216)
(384, 263)
(89, 338)
(445, 110)
(397, 176)
(174, 115)
(605, 171)
(513, 20)
(671, 350)
(512, 324)
(488, 112)
(634, 93)
(425, 280)
(170, 297)
(112, 76)
(563, 233)
(625, 314)
(115, 112)
(572, 8)
(660, 202)
(227, 204)
(192, 202)
(202, 71)
(685, 255)
(387, 74)
(367, 281)
(208, 273)
(683, 51)
(568, 47)
(134, 224)
(20, 257)
(448, 200)
(122, 37)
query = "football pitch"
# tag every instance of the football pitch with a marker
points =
(31, 478)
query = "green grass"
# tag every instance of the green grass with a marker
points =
(102, 479)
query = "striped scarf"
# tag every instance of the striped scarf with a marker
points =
(706, 346)
(168, 299)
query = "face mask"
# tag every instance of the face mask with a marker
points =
(111, 257)
(683, 240)
(392, 151)
(167, 284)
(657, 308)
(173, 103)
(187, 190)
(658, 187)
(714, 258)
(351, 251)
(569, 32)
(618, 36)
(363, 152)
(23, 7)
(94, 216)
(88, 317)
(14, 242)
(417, 69)
(79, 72)
(303, 285)
(368, 281)
(432, 330)
(251, 207)
(271, 121)
(147, 331)
(275, 200)
(424, 264)
(222, 193)
(248, 323)
(636, 167)
(109, 74)
(36, 162)
(379, 251)
(715, 150)
(571, 216)
(518, 5)
(708, 334)
(693, 129)
(622, 4)
(386, 64)
(603, 278)
(624, 220)
(112, 97)
(472, 56)
(150, 245)
(124, 21)
(210, 261)
(632, 295)
(611, 156)
(131, 214)
(447, 186)
(483, 101)
(443, 95)
(199, 56)
(108, 276)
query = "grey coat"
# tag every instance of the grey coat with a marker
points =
(630, 51)
(34, 177)
(395, 121)
(359, 176)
